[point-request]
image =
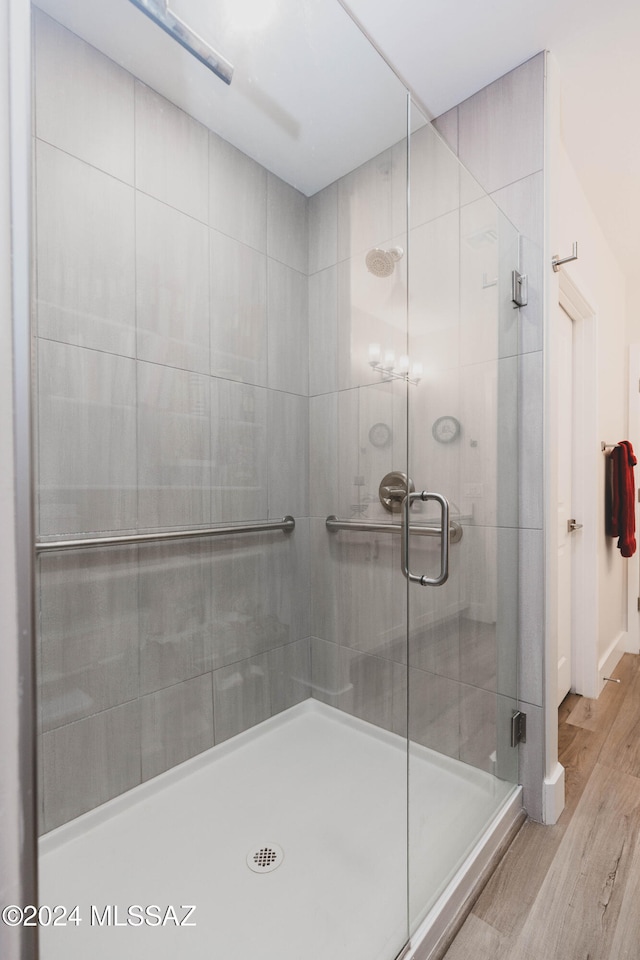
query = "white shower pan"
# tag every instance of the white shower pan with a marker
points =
(316, 798)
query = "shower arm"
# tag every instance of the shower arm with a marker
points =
(170, 22)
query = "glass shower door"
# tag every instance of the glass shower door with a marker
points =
(463, 434)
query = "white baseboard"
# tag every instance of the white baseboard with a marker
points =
(610, 659)
(631, 644)
(553, 795)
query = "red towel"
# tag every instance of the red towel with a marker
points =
(622, 515)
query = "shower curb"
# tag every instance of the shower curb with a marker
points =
(438, 930)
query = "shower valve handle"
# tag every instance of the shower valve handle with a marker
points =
(425, 581)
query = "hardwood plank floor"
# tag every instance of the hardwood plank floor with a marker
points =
(572, 891)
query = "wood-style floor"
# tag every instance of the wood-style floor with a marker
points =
(572, 891)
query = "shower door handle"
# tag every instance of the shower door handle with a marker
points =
(425, 581)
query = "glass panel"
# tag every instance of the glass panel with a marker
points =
(213, 266)
(463, 443)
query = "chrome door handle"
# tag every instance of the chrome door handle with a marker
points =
(572, 525)
(425, 581)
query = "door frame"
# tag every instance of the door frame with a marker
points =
(588, 464)
(633, 563)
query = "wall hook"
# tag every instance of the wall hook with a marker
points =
(555, 263)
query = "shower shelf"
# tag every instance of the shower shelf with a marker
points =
(258, 526)
(369, 526)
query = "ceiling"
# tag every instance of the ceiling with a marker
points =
(446, 52)
(443, 51)
(310, 98)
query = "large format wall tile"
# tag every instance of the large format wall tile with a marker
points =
(85, 254)
(87, 440)
(323, 331)
(323, 455)
(364, 686)
(90, 761)
(487, 329)
(488, 120)
(238, 278)
(239, 443)
(531, 619)
(287, 229)
(176, 723)
(172, 286)
(447, 126)
(288, 326)
(289, 675)
(478, 727)
(237, 194)
(530, 433)
(87, 107)
(372, 203)
(364, 207)
(434, 295)
(358, 598)
(172, 154)
(380, 440)
(288, 454)
(434, 712)
(260, 590)
(371, 310)
(241, 696)
(435, 180)
(88, 611)
(174, 447)
(523, 203)
(323, 229)
(436, 616)
(175, 613)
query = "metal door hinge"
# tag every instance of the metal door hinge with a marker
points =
(519, 291)
(518, 728)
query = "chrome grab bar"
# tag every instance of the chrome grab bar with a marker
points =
(371, 526)
(259, 526)
(425, 581)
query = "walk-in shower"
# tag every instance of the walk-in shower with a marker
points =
(277, 493)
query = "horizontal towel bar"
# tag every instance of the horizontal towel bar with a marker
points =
(259, 526)
(370, 526)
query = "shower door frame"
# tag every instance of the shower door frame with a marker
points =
(18, 832)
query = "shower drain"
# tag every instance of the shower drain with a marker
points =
(265, 858)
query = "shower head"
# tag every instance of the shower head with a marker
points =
(382, 263)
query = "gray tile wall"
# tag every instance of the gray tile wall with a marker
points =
(172, 377)
(215, 366)
(357, 433)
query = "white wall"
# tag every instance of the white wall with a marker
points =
(598, 277)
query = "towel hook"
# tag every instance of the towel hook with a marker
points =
(555, 263)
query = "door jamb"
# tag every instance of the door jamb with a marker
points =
(584, 612)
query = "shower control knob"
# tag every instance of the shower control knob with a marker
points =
(393, 489)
